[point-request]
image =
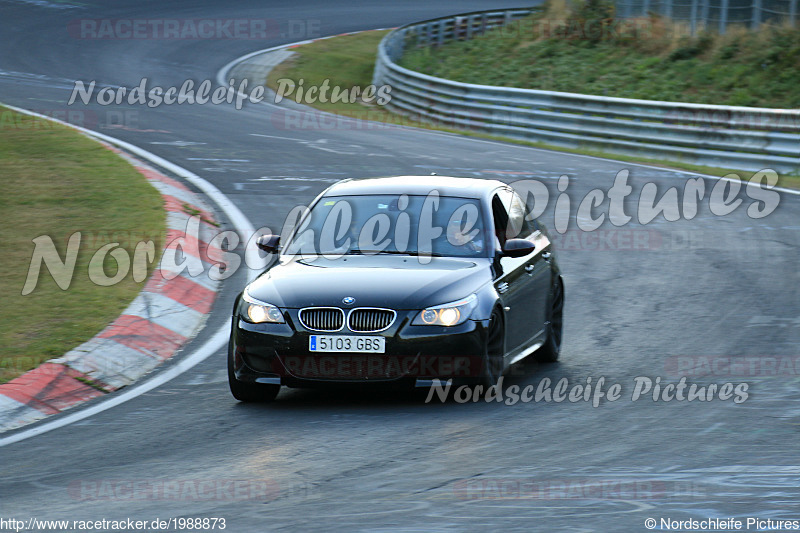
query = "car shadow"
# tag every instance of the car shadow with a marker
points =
(374, 395)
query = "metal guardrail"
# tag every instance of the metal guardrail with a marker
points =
(742, 138)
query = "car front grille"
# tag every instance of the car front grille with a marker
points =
(322, 318)
(367, 319)
(359, 320)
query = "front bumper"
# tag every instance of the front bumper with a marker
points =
(279, 354)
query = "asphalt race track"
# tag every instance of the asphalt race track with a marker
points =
(724, 286)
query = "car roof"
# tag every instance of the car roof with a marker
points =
(416, 185)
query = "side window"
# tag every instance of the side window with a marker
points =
(527, 227)
(515, 224)
(500, 219)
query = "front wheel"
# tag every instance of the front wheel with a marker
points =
(250, 392)
(551, 349)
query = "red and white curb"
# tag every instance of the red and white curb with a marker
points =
(169, 311)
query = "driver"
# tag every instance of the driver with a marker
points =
(471, 240)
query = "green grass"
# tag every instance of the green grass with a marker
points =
(348, 61)
(652, 61)
(351, 56)
(56, 182)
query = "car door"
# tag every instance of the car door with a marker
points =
(537, 266)
(523, 283)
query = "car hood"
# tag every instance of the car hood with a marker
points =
(391, 281)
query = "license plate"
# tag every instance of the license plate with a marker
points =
(346, 343)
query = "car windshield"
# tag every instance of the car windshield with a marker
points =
(392, 224)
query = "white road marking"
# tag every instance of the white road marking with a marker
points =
(711, 428)
(276, 137)
(225, 169)
(320, 144)
(177, 143)
(216, 159)
(293, 178)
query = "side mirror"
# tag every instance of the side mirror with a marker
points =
(268, 243)
(518, 247)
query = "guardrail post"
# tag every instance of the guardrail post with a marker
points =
(484, 19)
(402, 42)
(693, 18)
(723, 17)
(793, 12)
(470, 22)
(667, 11)
(704, 13)
(391, 48)
(440, 37)
(645, 8)
(756, 14)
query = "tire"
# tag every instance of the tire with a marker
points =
(551, 349)
(495, 348)
(250, 392)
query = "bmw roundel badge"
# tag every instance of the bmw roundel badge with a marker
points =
(348, 300)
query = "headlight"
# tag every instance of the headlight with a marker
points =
(450, 314)
(260, 312)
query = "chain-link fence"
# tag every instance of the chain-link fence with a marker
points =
(715, 14)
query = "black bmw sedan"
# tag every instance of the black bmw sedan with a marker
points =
(399, 280)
